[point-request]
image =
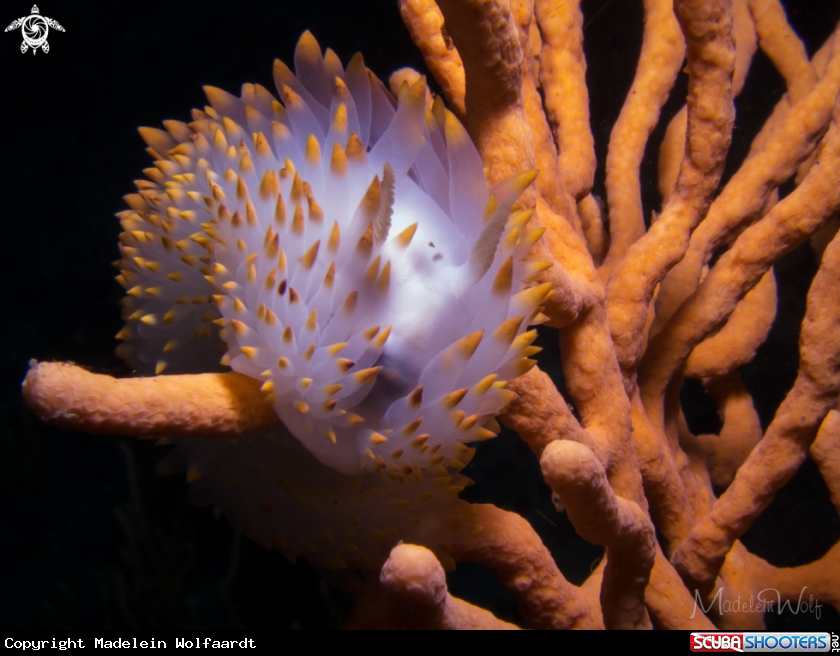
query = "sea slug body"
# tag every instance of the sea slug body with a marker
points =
(342, 247)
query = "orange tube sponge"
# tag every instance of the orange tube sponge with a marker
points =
(540, 415)
(788, 224)
(599, 516)
(775, 154)
(740, 432)
(711, 115)
(826, 452)
(783, 47)
(512, 549)
(563, 79)
(211, 405)
(777, 457)
(736, 343)
(663, 49)
(425, 23)
(673, 144)
(416, 584)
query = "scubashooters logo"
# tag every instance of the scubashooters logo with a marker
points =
(34, 29)
(754, 642)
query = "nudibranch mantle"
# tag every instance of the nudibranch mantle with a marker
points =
(343, 247)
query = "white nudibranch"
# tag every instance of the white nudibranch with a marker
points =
(343, 247)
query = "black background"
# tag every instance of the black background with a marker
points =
(91, 538)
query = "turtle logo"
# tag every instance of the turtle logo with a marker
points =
(35, 29)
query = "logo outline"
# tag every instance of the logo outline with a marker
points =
(34, 29)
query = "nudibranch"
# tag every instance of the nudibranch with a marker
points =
(342, 247)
